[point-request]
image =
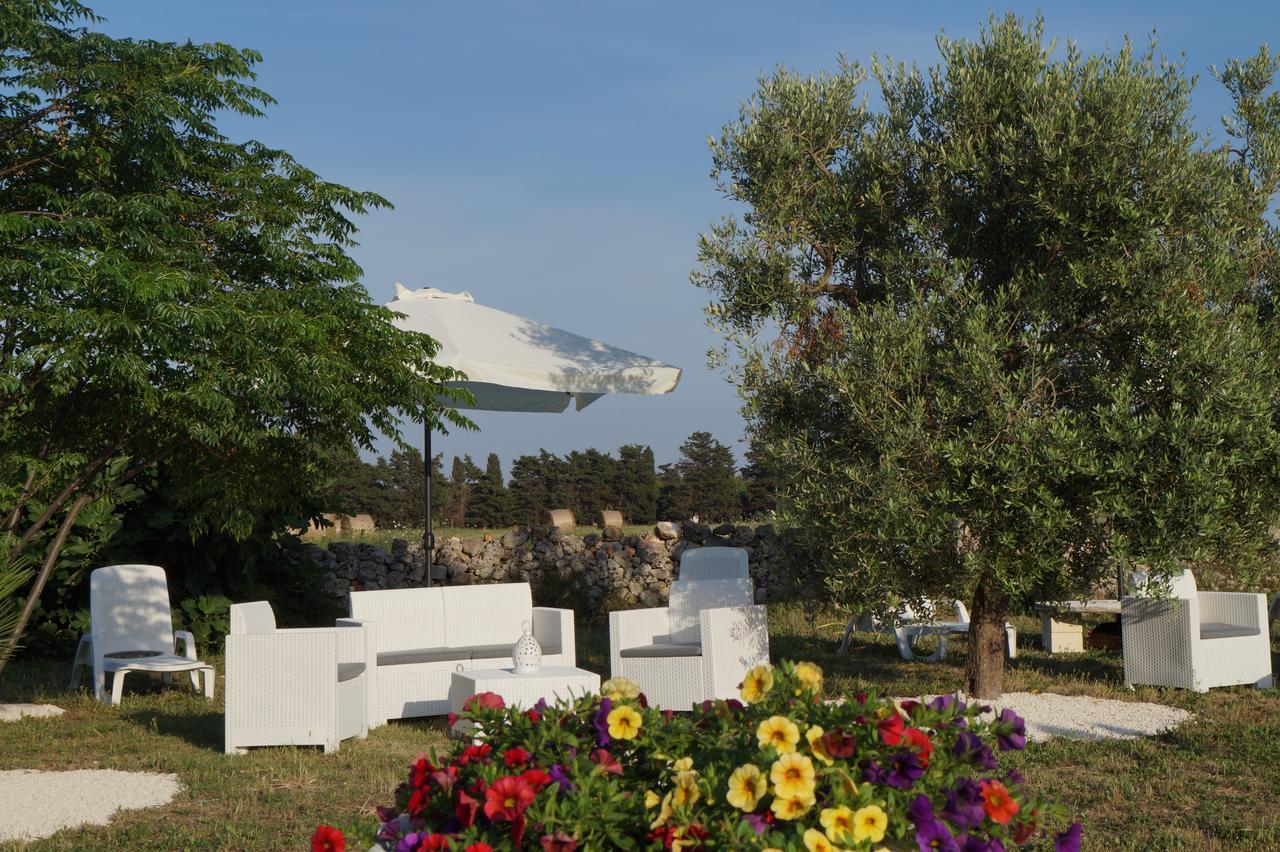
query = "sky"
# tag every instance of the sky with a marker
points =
(551, 158)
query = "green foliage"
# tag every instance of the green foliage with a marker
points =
(702, 482)
(208, 617)
(1024, 314)
(168, 294)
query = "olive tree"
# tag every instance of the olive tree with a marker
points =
(1008, 327)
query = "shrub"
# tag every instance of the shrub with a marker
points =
(785, 770)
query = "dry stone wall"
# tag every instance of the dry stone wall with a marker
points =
(592, 573)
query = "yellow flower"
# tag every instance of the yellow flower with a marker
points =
(686, 791)
(816, 841)
(619, 688)
(746, 786)
(624, 723)
(838, 822)
(869, 823)
(757, 683)
(810, 677)
(780, 733)
(684, 764)
(793, 807)
(651, 799)
(664, 813)
(814, 738)
(792, 775)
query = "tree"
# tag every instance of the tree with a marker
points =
(760, 484)
(637, 486)
(539, 483)
(702, 482)
(170, 296)
(490, 500)
(1025, 320)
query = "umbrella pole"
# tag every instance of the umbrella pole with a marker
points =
(428, 537)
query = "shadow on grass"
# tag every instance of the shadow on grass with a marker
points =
(203, 730)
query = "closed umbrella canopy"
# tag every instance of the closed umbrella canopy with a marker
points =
(517, 364)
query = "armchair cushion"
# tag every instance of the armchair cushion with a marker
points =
(666, 649)
(489, 652)
(349, 671)
(1217, 630)
(423, 655)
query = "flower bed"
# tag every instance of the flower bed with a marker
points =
(781, 769)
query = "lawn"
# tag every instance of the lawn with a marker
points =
(1213, 784)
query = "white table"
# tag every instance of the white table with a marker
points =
(1067, 637)
(520, 690)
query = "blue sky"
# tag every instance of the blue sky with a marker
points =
(551, 158)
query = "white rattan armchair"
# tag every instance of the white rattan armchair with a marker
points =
(714, 563)
(302, 686)
(131, 630)
(1196, 640)
(696, 649)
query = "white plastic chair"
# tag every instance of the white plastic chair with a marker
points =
(303, 686)
(696, 649)
(131, 630)
(714, 563)
(909, 627)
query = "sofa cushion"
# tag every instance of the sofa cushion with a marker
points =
(349, 671)
(423, 655)
(1217, 630)
(670, 649)
(492, 652)
(486, 614)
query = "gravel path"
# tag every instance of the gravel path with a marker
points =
(1077, 717)
(14, 712)
(36, 804)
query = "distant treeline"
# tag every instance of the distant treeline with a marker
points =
(704, 482)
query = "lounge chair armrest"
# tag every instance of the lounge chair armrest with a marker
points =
(188, 643)
(552, 626)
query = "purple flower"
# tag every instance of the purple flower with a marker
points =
(875, 774)
(964, 805)
(757, 822)
(1015, 777)
(969, 745)
(1069, 840)
(977, 844)
(601, 721)
(541, 706)
(906, 770)
(559, 777)
(1016, 738)
(410, 842)
(735, 705)
(920, 810)
(946, 702)
(933, 835)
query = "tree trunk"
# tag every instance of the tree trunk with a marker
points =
(10, 643)
(984, 670)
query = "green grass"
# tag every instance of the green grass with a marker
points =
(383, 538)
(1212, 784)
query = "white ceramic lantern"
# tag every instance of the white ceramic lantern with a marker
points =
(526, 653)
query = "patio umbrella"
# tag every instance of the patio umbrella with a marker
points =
(518, 364)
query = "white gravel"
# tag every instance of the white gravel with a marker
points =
(37, 804)
(1078, 717)
(14, 712)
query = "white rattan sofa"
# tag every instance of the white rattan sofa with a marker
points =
(697, 648)
(305, 686)
(714, 563)
(1196, 640)
(419, 637)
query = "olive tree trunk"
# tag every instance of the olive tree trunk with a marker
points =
(984, 669)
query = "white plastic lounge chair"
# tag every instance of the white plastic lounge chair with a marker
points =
(714, 563)
(909, 627)
(131, 630)
(696, 649)
(1196, 640)
(302, 686)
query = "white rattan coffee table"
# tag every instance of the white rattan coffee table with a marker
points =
(520, 690)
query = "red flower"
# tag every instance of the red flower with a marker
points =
(418, 801)
(838, 744)
(908, 705)
(479, 847)
(558, 842)
(466, 810)
(533, 716)
(919, 741)
(507, 798)
(434, 843)
(606, 761)
(997, 802)
(474, 754)
(1023, 831)
(860, 697)
(328, 839)
(420, 770)
(514, 757)
(484, 701)
(452, 719)
(536, 778)
(891, 729)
